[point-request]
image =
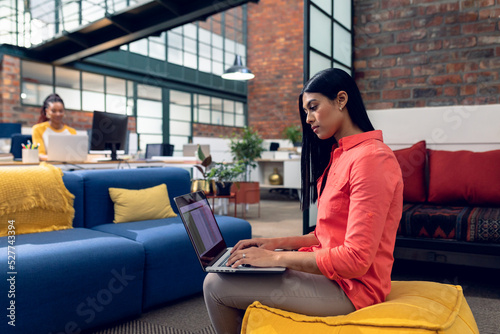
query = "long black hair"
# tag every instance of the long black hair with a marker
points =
(316, 152)
(52, 98)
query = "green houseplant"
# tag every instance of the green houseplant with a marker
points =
(247, 147)
(294, 134)
(224, 175)
(206, 184)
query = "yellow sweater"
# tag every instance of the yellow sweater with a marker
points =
(40, 134)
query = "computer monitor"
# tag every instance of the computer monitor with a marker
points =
(109, 132)
(162, 150)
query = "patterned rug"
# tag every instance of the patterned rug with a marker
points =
(141, 327)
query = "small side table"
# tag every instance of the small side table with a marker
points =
(228, 197)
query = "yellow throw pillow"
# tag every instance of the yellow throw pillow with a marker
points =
(143, 204)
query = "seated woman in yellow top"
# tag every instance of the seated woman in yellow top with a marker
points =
(50, 123)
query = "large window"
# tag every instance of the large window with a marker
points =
(92, 91)
(68, 87)
(79, 90)
(182, 48)
(162, 114)
(208, 46)
(180, 119)
(217, 111)
(37, 82)
(116, 96)
(27, 23)
(328, 35)
(149, 115)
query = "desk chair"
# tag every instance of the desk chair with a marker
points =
(6, 132)
(162, 150)
(15, 146)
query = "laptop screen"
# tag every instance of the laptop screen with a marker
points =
(66, 147)
(200, 224)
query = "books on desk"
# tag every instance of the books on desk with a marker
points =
(6, 157)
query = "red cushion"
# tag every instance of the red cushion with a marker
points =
(464, 177)
(412, 162)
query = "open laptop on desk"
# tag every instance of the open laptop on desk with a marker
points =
(206, 236)
(68, 148)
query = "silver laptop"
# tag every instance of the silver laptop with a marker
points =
(191, 150)
(68, 148)
(206, 237)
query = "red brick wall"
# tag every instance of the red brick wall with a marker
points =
(10, 89)
(214, 131)
(275, 56)
(12, 111)
(416, 53)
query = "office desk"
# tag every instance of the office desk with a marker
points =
(76, 165)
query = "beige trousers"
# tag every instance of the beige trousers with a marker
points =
(228, 295)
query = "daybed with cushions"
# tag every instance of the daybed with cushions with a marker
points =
(452, 206)
(65, 276)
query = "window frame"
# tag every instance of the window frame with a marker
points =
(307, 38)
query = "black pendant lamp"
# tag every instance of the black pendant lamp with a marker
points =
(238, 71)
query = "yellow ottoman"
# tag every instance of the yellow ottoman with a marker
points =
(411, 307)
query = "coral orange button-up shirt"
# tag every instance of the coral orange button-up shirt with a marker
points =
(358, 217)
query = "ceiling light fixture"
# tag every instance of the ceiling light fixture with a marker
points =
(238, 71)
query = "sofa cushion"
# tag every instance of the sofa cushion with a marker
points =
(411, 307)
(464, 177)
(435, 221)
(72, 280)
(170, 255)
(99, 209)
(475, 224)
(74, 184)
(143, 204)
(412, 161)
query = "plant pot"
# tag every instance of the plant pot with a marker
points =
(207, 186)
(223, 188)
(246, 192)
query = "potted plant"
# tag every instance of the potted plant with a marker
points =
(247, 147)
(206, 184)
(294, 134)
(224, 175)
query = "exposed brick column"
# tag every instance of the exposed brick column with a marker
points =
(416, 53)
(275, 56)
(10, 104)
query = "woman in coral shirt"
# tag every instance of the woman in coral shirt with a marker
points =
(346, 263)
(50, 122)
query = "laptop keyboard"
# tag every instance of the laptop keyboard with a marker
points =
(224, 261)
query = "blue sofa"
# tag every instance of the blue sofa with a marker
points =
(99, 272)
